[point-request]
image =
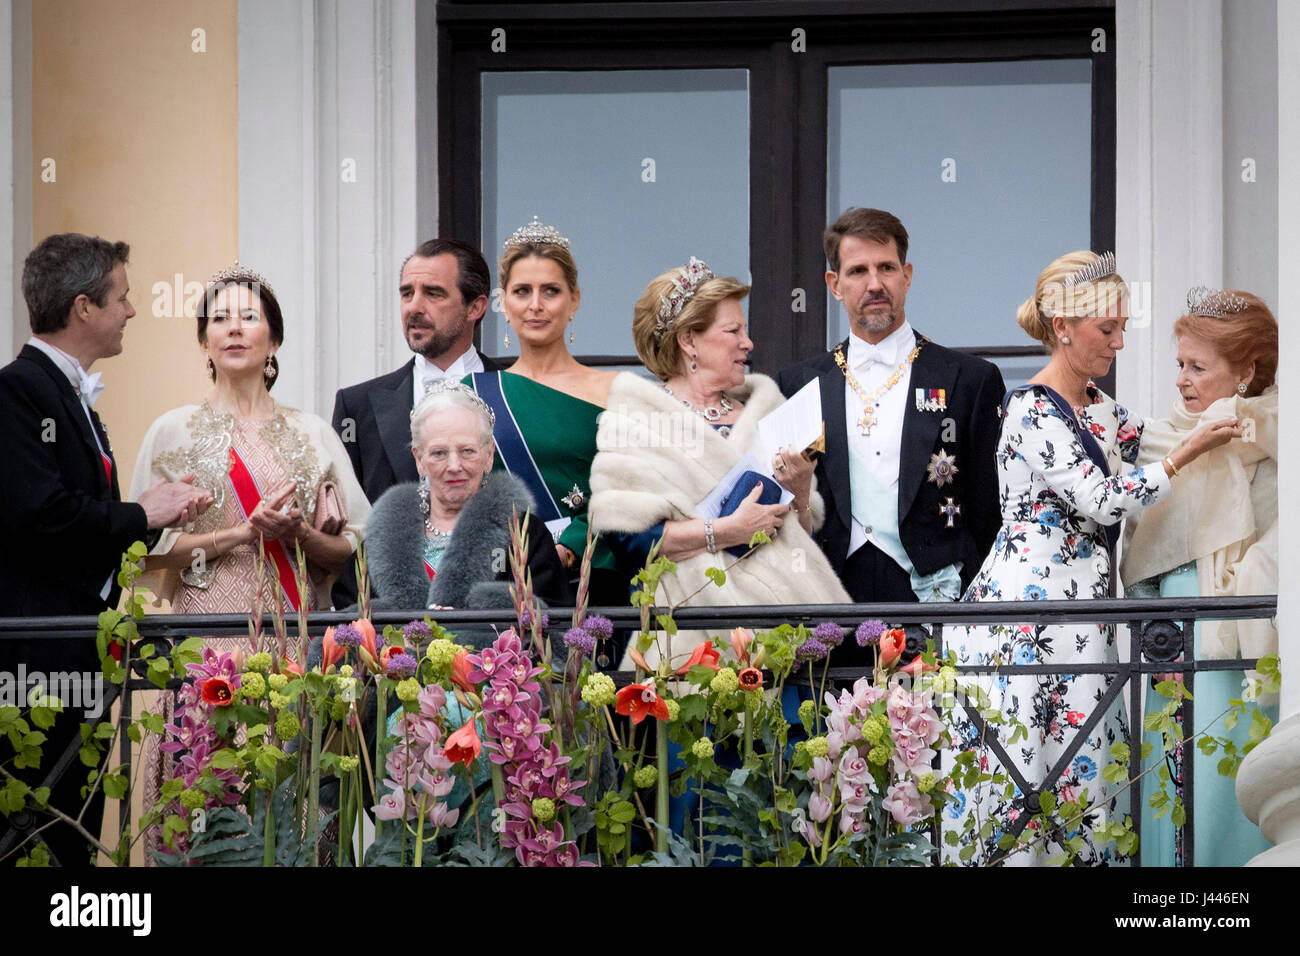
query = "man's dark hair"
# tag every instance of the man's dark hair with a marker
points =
(63, 267)
(472, 276)
(874, 224)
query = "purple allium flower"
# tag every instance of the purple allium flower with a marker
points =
(599, 627)
(869, 632)
(526, 619)
(402, 666)
(345, 635)
(829, 633)
(580, 640)
(811, 650)
(417, 632)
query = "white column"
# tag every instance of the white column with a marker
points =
(327, 190)
(1169, 187)
(1268, 783)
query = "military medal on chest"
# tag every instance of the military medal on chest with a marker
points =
(949, 510)
(931, 400)
(942, 468)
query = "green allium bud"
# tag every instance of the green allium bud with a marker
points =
(873, 730)
(674, 708)
(879, 756)
(702, 748)
(647, 776)
(599, 690)
(925, 782)
(808, 712)
(348, 764)
(409, 689)
(258, 662)
(724, 681)
(544, 809)
(345, 670)
(278, 681)
(279, 701)
(286, 725)
(818, 747)
(252, 686)
(191, 799)
(441, 652)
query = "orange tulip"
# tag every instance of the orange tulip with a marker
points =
(331, 653)
(892, 645)
(917, 666)
(460, 668)
(463, 746)
(367, 637)
(751, 678)
(217, 692)
(637, 659)
(639, 701)
(291, 666)
(704, 654)
(740, 640)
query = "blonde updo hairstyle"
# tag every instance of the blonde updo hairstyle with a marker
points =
(543, 250)
(661, 352)
(1053, 297)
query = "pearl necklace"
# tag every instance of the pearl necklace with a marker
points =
(710, 413)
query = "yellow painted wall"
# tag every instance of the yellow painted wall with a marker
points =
(142, 130)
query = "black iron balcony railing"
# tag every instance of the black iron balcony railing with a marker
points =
(1159, 642)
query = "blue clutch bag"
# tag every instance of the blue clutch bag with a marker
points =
(770, 495)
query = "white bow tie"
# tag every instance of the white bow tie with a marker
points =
(870, 355)
(90, 386)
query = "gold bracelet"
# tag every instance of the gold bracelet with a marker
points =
(216, 552)
(1172, 467)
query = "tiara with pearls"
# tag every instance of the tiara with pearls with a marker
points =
(538, 234)
(450, 386)
(235, 273)
(686, 283)
(1104, 266)
(1213, 303)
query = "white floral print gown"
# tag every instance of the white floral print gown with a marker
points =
(1056, 503)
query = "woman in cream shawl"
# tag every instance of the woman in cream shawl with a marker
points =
(1215, 536)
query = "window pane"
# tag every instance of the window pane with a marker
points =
(1014, 138)
(641, 169)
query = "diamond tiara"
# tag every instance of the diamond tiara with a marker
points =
(1213, 303)
(686, 283)
(452, 386)
(1104, 266)
(538, 234)
(236, 273)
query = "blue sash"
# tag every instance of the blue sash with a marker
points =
(512, 446)
(1086, 439)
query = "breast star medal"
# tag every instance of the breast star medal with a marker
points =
(950, 511)
(575, 499)
(941, 469)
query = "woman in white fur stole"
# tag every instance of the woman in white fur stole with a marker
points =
(664, 446)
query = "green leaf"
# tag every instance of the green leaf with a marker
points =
(667, 623)
(759, 538)
(114, 786)
(43, 717)
(1168, 688)
(1047, 801)
(1260, 725)
(1120, 752)
(1147, 749)
(89, 756)
(1179, 816)
(1207, 745)
(716, 575)
(1230, 719)
(225, 759)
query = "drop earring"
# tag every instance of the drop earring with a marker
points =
(424, 495)
(1241, 388)
(693, 366)
(570, 331)
(269, 371)
(507, 345)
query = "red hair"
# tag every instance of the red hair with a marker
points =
(1240, 338)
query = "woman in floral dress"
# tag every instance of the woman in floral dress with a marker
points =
(1063, 493)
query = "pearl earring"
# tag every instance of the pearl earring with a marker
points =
(1065, 340)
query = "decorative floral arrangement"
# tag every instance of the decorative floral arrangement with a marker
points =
(513, 753)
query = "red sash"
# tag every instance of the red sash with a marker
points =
(108, 468)
(428, 569)
(248, 495)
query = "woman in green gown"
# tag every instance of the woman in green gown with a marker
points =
(547, 402)
(1216, 535)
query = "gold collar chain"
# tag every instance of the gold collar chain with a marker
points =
(868, 419)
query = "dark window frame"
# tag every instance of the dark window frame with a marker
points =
(788, 108)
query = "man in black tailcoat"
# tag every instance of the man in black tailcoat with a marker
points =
(63, 524)
(908, 475)
(444, 293)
